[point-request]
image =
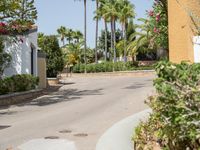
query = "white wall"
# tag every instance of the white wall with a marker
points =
(196, 42)
(21, 55)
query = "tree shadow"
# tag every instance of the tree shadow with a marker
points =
(135, 86)
(62, 96)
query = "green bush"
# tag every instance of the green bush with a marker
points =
(18, 83)
(55, 61)
(108, 67)
(175, 121)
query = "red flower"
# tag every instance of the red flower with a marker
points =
(156, 30)
(158, 17)
(151, 13)
(3, 29)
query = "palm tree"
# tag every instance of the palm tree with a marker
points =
(97, 29)
(110, 9)
(69, 35)
(62, 33)
(77, 35)
(126, 11)
(143, 40)
(100, 13)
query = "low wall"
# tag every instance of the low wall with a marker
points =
(19, 97)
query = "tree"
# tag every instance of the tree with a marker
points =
(62, 33)
(73, 53)
(141, 41)
(126, 11)
(102, 43)
(97, 30)
(110, 10)
(7, 7)
(55, 61)
(77, 36)
(69, 35)
(18, 15)
(100, 13)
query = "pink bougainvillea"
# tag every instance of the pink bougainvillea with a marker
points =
(158, 17)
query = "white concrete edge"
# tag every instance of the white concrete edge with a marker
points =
(119, 136)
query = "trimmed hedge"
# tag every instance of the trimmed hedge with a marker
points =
(18, 83)
(109, 67)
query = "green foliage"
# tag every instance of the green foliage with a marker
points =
(55, 61)
(176, 108)
(5, 58)
(101, 44)
(18, 83)
(109, 67)
(18, 10)
(158, 24)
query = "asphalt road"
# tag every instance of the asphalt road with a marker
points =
(81, 111)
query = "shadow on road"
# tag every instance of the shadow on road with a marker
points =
(135, 86)
(62, 96)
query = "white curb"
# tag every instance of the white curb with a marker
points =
(118, 137)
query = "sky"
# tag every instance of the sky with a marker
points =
(70, 13)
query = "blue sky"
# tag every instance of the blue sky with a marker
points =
(52, 14)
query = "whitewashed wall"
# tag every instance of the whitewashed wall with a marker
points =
(21, 55)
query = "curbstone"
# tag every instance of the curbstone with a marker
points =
(119, 136)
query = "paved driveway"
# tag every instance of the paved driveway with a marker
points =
(82, 110)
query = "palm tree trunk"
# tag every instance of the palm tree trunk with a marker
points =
(97, 29)
(114, 40)
(106, 40)
(63, 42)
(111, 23)
(85, 32)
(122, 33)
(125, 44)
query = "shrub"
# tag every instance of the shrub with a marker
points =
(174, 123)
(18, 83)
(55, 61)
(108, 67)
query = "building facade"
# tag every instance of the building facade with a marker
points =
(24, 54)
(184, 23)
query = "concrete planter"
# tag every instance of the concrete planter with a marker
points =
(119, 136)
(52, 81)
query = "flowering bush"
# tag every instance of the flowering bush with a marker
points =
(175, 121)
(158, 24)
(14, 27)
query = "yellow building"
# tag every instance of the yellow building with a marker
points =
(184, 23)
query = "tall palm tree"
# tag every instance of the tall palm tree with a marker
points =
(110, 9)
(97, 29)
(62, 33)
(126, 11)
(100, 13)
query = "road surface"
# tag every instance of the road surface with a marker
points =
(80, 112)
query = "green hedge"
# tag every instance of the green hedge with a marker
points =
(175, 121)
(109, 67)
(18, 83)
